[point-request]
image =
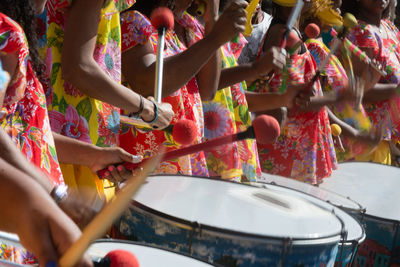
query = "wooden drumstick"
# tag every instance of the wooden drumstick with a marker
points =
(114, 208)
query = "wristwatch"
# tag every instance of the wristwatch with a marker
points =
(59, 192)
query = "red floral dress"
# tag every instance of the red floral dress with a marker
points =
(304, 150)
(186, 102)
(24, 115)
(337, 81)
(387, 53)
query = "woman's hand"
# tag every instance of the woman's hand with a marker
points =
(230, 23)
(272, 60)
(165, 114)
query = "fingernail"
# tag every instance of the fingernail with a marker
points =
(136, 159)
(119, 168)
(107, 173)
(51, 264)
(110, 168)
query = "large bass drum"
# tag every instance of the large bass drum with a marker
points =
(232, 224)
(375, 187)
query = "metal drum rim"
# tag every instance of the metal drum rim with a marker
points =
(363, 235)
(333, 238)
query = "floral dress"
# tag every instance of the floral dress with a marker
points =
(24, 117)
(337, 81)
(304, 151)
(186, 102)
(71, 112)
(238, 160)
(386, 52)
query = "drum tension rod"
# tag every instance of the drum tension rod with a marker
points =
(195, 226)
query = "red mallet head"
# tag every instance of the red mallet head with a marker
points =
(312, 31)
(120, 258)
(184, 132)
(162, 17)
(266, 129)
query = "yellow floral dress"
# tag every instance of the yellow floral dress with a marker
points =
(73, 113)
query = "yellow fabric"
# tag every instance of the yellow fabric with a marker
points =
(287, 3)
(330, 17)
(380, 155)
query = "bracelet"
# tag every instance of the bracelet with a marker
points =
(137, 114)
(59, 192)
(155, 115)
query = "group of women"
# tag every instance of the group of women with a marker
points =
(70, 72)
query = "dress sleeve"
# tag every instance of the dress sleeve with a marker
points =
(13, 40)
(363, 37)
(135, 29)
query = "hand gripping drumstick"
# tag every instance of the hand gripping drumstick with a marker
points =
(98, 226)
(265, 129)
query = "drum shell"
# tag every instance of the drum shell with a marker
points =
(222, 246)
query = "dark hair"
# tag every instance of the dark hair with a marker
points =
(147, 6)
(23, 12)
(352, 6)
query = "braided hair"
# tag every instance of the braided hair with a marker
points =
(23, 12)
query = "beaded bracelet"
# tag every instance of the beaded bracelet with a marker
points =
(137, 114)
(155, 115)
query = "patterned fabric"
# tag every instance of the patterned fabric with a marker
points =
(229, 109)
(72, 113)
(304, 150)
(186, 102)
(387, 53)
(336, 82)
(24, 115)
(17, 255)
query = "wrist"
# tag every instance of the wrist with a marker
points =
(148, 111)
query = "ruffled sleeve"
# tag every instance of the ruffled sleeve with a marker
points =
(12, 40)
(135, 29)
(364, 37)
(195, 31)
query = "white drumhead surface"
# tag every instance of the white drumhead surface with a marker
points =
(237, 207)
(147, 256)
(323, 194)
(376, 187)
(352, 226)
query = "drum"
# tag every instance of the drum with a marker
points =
(355, 232)
(375, 187)
(232, 224)
(146, 255)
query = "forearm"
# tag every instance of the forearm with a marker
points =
(381, 92)
(318, 102)
(72, 151)
(347, 130)
(259, 102)
(10, 154)
(233, 75)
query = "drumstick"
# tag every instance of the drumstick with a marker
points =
(265, 129)
(349, 22)
(114, 208)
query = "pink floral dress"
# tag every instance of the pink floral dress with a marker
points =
(387, 53)
(304, 151)
(337, 81)
(71, 112)
(24, 115)
(186, 102)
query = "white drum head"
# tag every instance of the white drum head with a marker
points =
(354, 230)
(320, 193)
(147, 256)
(374, 186)
(237, 207)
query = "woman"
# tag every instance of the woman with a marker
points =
(304, 151)
(85, 93)
(379, 38)
(191, 70)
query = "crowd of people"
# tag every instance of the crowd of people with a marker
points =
(71, 68)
